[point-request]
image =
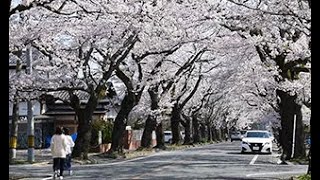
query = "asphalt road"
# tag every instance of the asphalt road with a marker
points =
(215, 161)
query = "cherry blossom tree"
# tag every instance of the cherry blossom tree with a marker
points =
(87, 52)
(249, 52)
(280, 32)
(236, 102)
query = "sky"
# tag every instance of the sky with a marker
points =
(15, 3)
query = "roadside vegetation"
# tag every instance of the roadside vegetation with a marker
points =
(301, 177)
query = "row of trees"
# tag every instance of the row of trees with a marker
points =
(213, 64)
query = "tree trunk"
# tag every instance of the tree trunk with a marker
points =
(150, 125)
(219, 134)
(129, 101)
(209, 139)
(160, 136)
(195, 126)
(118, 132)
(176, 112)
(175, 120)
(82, 143)
(187, 132)
(225, 134)
(203, 132)
(288, 109)
(214, 133)
(299, 148)
(151, 121)
(14, 130)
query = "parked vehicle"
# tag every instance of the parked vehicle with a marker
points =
(235, 135)
(167, 136)
(243, 133)
(257, 141)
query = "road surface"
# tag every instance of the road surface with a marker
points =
(214, 161)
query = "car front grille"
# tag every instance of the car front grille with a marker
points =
(252, 145)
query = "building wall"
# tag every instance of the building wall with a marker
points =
(42, 129)
(23, 108)
(132, 139)
(70, 121)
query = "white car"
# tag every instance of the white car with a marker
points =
(167, 136)
(257, 141)
(235, 135)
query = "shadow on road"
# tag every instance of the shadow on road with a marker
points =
(246, 178)
(250, 153)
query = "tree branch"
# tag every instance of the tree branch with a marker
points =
(192, 92)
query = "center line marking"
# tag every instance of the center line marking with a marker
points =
(253, 159)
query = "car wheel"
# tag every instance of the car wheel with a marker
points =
(231, 140)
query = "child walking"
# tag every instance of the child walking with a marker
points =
(70, 145)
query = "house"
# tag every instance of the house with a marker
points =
(43, 124)
(65, 116)
(50, 112)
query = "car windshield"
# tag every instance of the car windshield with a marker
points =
(258, 134)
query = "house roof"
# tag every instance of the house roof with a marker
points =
(53, 112)
(60, 108)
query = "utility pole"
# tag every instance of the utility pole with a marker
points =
(15, 119)
(30, 112)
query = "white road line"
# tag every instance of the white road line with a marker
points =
(276, 173)
(253, 159)
(47, 178)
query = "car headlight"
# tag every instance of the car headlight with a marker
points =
(244, 142)
(266, 143)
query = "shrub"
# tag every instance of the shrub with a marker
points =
(304, 177)
(105, 127)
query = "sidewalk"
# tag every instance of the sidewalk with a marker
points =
(40, 156)
(43, 158)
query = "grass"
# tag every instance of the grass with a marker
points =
(302, 177)
(18, 161)
(300, 161)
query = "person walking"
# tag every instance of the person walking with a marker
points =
(70, 145)
(58, 146)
